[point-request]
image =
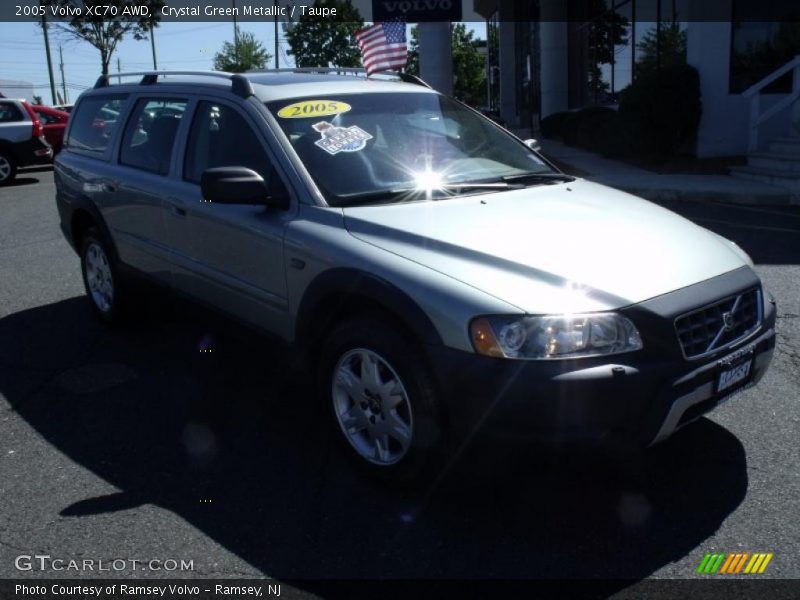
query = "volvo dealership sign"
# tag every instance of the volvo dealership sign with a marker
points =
(416, 11)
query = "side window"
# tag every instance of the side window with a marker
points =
(150, 134)
(9, 113)
(94, 123)
(47, 119)
(221, 137)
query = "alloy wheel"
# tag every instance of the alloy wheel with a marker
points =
(5, 168)
(372, 407)
(99, 278)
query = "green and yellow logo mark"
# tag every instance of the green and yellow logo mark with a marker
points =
(736, 563)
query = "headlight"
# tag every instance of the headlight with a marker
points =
(554, 336)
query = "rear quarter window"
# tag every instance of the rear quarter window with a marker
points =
(45, 118)
(94, 123)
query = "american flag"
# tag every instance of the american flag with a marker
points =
(383, 46)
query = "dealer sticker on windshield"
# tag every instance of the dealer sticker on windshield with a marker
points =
(313, 108)
(341, 139)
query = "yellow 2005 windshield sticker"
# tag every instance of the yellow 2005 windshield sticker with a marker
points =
(313, 108)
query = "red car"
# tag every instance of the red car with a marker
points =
(55, 123)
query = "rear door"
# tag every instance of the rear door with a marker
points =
(136, 201)
(230, 256)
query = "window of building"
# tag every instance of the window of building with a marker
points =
(761, 42)
(493, 61)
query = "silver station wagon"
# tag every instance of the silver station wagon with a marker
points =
(435, 273)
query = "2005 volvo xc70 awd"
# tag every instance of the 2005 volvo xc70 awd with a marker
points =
(435, 272)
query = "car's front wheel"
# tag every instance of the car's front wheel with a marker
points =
(381, 399)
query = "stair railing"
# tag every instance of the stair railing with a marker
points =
(754, 94)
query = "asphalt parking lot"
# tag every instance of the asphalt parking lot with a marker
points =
(133, 444)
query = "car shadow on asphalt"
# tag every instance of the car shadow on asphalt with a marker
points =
(20, 181)
(209, 426)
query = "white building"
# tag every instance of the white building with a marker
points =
(11, 88)
(542, 62)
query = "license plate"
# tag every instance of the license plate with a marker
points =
(734, 375)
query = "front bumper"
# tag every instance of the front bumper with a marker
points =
(641, 397)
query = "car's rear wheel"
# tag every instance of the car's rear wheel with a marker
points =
(381, 399)
(8, 168)
(100, 277)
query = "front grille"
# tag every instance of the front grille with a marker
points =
(717, 325)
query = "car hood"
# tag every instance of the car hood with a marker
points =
(552, 248)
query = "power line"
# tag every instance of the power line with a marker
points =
(196, 29)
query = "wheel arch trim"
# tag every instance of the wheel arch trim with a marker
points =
(342, 283)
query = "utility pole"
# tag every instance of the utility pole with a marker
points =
(153, 44)
(633, 41)
(119, 65)
(277, 61)
(235, 32)
(63, 79)
(49, 60)
(658, 36)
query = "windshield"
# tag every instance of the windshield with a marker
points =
(399, 147)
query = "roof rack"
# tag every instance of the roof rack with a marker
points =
(240, 85)
(405, 77)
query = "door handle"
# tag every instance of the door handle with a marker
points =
(176, 206)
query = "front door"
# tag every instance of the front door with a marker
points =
(229, 256)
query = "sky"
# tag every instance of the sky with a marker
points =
(179, 46)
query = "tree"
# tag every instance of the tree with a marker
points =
(246, 55)
(606, 30)
(412, 64)
(104, 32)
(469, 67)
(662, 47)
(324, 42)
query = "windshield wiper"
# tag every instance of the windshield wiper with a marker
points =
(477, 185)
(446, 190)
(540, 178)
(377, 197)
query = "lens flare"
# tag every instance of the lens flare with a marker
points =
(428, 180)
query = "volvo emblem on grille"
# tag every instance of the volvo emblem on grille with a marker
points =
(720, 324)
(727, 321)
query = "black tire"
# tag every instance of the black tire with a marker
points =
(8, 168)
(109, 307)
(403, 363)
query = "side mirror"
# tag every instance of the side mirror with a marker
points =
(240, 185)
(533, 145)
(233, 185)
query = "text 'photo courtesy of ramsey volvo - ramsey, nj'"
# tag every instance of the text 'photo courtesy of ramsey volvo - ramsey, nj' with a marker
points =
(434, 273)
